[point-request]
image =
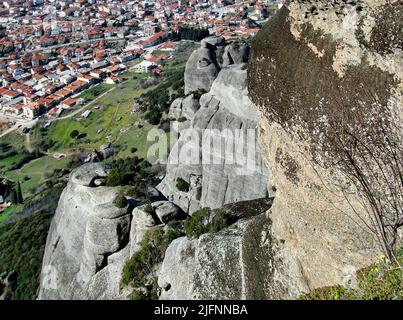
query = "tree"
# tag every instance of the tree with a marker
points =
(74, 134)
(19, 199)
(182, 185)
(13, 196)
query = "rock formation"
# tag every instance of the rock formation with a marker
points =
(225, 115)
(90, 239)
(232, 264)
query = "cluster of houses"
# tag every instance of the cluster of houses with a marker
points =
(49, 83)
(50, 51)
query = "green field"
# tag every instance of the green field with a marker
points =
(7, 163)
(112, 120)
(161, 52)
(34, 173)
(9, 211)
(90, 94)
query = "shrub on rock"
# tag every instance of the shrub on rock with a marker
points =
(120, 201)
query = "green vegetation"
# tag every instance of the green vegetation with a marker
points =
(380, 281)
(139, 270)
(7, 213)
(182, 185)
(120, 201)
(92, 93)
(195, 34)
(206, 221)
(34, 174)
(22, 245)
(16, 194)
(112, 120)
(161, 52)
(74, 134)
(156, 102)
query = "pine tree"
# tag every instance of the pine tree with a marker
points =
(19, 193)
(13, 196)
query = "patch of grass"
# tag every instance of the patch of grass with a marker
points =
(92, 93)
(9, 162)
(380, 281)
(161, 52)
(36, 171)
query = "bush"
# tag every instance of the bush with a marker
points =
(380, 281)
(206, 221)
(74, 134)
(219, 222)
(139, 268)
(120, 201)
(182, 185)
(198, 223)
(149, 209)
(117, 177)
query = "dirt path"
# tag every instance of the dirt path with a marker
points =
(6, 132)
(84, 106)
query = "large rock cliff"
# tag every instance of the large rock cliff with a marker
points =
(327, 79)
(90, 239)
(232, 169)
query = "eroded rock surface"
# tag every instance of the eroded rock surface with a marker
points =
(218, 175)
(235, 263)
(90, 239)
(327, 79)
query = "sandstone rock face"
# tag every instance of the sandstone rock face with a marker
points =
(217, 152)
(327, 79)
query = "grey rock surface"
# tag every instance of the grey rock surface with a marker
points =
(236, 53)
(167, 211)
(204, 65)
(90, 240)
(217, 176)
(231, 264)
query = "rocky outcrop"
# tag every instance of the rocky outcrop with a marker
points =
(327, 79)
(206, 62)
(90, 239)
(232, 264)
(215, 131)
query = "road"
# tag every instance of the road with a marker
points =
(31, 123)
(70, 115)
(4, 133)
